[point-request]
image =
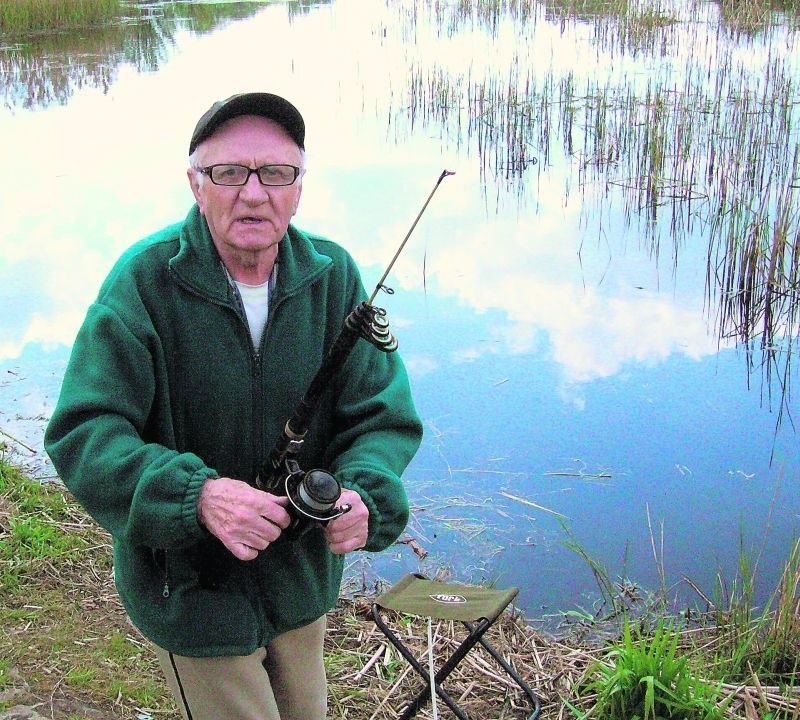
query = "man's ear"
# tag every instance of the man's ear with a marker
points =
(297, 200)
(194, 183)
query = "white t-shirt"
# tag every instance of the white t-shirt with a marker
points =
(255, 299)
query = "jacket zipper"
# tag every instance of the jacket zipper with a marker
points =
(257, 429)
(160, 559)
(255, 383)
(261, 450)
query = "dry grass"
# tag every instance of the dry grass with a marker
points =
(68, 648)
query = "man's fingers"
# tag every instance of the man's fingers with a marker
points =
(348, 532)
(347, 545)
(231, 508)
(242, 551)
(273, 509)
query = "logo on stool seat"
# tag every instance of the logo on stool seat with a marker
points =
(449, 599)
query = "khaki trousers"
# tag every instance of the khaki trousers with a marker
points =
(283, 681)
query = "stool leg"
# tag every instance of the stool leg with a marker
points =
(532, 696)
(452, 662)
(476, 632)
(414, 706)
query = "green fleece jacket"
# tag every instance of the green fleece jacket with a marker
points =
(164, 390)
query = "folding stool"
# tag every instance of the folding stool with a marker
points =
(416, 595)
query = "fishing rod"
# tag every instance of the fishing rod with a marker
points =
(313, 495)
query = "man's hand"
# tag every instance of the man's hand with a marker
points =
(348, 532)
(246, 520)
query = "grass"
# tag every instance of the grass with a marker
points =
(67, 646)
(645, 677)
(23, 16)
(63, 632)
(706, 665)
(766, 643)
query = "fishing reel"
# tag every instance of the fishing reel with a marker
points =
(313, 498)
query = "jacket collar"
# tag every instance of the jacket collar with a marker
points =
(198, 266)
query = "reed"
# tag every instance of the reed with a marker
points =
(781, 654)
(54, 63)
(756, 16)
(706, 153)
(24, 16)
(765, 643)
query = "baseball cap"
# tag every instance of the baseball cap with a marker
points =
(266, 105)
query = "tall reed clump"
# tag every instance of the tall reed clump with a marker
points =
(692, 147)
(766, 643)
(21, 16)
(781, 656)
(646, 676)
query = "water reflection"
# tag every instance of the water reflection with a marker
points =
(687, 146)
(43, 69)
(560, 307)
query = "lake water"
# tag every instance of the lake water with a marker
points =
(568, 346)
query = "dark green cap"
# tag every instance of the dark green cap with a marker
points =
(266, 105)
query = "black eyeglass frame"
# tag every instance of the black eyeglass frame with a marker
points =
(250, 171)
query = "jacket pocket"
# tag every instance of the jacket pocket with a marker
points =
(212, 563)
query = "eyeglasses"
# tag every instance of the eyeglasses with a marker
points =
(274, 175)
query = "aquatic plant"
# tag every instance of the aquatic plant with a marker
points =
(692, 663)
(56, 59)
(764, 642)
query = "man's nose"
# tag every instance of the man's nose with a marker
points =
(253, 189)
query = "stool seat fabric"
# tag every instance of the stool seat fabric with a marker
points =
(446, 601)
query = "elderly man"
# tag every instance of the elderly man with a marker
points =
(202, 340)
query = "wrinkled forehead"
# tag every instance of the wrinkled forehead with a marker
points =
(250, 138)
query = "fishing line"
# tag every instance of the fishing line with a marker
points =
(380, 285)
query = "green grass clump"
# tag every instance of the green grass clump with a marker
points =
(33, 534)
(645, 676)
(662, 664)
(22, 16)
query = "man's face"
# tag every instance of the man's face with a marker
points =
(250, 218)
